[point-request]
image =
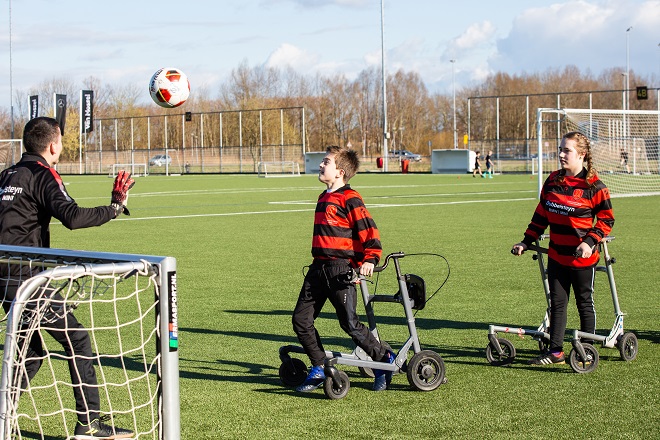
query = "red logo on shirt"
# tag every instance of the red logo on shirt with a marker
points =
(331, 214)
(577, 194)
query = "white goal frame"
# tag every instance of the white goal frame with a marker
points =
(611, 133)
(51, 265)
(136, 169)
(278, 169)
(10, 156)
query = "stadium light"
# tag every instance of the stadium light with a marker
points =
(453, 91)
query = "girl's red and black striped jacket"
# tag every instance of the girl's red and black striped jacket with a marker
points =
(344, 229)
(570, 208)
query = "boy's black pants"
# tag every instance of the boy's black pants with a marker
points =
(331, 280)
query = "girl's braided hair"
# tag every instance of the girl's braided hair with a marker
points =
(582, 146)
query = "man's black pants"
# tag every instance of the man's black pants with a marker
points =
(74, 339)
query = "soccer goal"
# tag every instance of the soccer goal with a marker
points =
(624, 144)
(128, 305)
(10, 152)
(278, 169)
(136, 169)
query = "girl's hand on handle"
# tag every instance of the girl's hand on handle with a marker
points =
(518, 249)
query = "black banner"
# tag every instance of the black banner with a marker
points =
(86, 111)
(60, 111)
(34, 106)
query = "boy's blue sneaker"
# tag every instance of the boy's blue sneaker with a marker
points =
(314, 379)
(383, 378)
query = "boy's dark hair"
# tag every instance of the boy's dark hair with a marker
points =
(39, 133)
(346, 160)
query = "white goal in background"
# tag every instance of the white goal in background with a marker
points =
(136, 169)
(278, 169)
(625, 146)
(10, 152)
(128, 305)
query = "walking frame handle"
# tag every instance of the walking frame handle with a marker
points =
(393, 255)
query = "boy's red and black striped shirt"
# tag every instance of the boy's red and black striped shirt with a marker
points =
(344, 229)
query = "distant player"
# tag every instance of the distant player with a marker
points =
(345, 240)
(489, 164)
(477, 166)
(33, 194)
(624, 160)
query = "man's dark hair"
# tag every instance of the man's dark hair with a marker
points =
(346, 160)
(39, 133)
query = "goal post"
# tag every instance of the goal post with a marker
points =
(625, 146)
(278, 169)
(127, 304)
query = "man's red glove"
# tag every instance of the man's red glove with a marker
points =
(123, 183)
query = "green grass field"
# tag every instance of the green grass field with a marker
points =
(241, 243)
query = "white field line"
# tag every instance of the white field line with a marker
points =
(286, 211)
(408, 196)
(317, 189)
(312, 203)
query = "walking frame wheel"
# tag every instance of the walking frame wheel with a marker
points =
(586, 363)
(292, 372)
(336, 386)
(505, 358)
(627, 345)
(426, 371)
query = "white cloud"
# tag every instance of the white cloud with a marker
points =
(289, 55)
(588, 34)
(474, 36)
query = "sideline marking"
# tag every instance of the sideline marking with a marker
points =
(316, 188)
(408, 196)
(287, 211)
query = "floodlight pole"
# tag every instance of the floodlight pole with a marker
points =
(453, 91)
(11, 84)
(628, 68)
(623, 85)
(384, 75)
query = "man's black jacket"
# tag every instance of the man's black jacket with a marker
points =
(31, 193)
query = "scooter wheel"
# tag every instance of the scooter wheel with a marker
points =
(587, 365)
(426, 371)
(507, 356)
(293, 372)
(627, 345)
(338, 387)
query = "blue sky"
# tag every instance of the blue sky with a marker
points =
(123, 41)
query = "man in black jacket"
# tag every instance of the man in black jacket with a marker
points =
(31, 194)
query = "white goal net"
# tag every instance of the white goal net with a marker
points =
(136, 169)
(10, 152)
(625, 145)
(278, 169)
(126, 304)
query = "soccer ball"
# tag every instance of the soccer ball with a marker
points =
(169, 87)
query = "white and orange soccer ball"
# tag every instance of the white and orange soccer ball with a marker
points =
(169, 87)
